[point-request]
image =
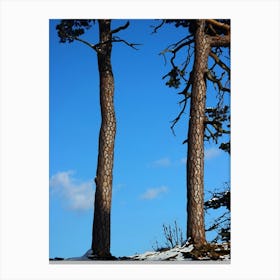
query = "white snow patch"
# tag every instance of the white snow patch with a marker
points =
(178, 253)
(175, 254)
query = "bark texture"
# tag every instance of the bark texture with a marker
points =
(195, 158)
(101, 231)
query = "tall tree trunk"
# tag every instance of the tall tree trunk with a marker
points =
(104, 175)
(195, 158)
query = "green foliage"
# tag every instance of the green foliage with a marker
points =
(68, 30)
(217, 119)
(221, 224)
(217, 124)
(218, 200)
(190, 23)
(174, 78)
(225, 147)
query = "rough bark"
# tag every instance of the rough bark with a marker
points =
(104, 175)
(195, 157)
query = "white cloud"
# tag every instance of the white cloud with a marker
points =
(152, 193)
(211, 153)
(208, 154)
(162, 162)
(76, 195)
(119, 186)
(183, 160)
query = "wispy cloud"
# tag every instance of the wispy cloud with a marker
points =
(208, 154)
(153, 193)
(183, 160)
(211, 153)
(162, 162)
(77, 195)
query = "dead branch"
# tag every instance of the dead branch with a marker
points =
(158, 26)
(163, 54)
(85, 42)
(119, 40)
(120, 28)
(187, 60)
(184, 101)
(188, 43)
(212, 78)
(212, 135)
(179, 42)
(182, 45)
(219, 62)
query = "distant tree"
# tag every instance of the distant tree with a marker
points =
(204, 39)
(70, 31)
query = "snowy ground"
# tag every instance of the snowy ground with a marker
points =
(179, 254)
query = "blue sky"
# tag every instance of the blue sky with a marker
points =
(149, 183)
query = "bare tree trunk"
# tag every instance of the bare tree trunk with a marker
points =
(104, 176)
(195, 158)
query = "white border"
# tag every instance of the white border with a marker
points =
(24, 137)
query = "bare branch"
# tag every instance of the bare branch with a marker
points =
(220, 41)
(188, 43)
(184, 101)
(120, 28)
(210, 77)
(85, 42)
(218, 24)
(179, 42)
(186, 89)
(158, 26)
(163, 54)
(119, 40)
(114, 39)
(183, 45)
(188, 60)
(212, 29)
(212, 135)
(219, 129)
(219, 62)
(174, 48)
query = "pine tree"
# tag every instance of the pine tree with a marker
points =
(70, 31)
(204, 39)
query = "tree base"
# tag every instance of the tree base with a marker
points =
(211, 251)
(102, 258)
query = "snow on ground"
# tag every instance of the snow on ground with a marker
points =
(176, 254)
(179, 253)
(85, 257)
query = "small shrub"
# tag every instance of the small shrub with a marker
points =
(173, 237)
